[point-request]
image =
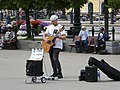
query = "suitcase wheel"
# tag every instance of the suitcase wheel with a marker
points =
(34, 79)
(43, 79)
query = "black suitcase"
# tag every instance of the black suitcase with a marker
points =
(34, 68)
(91, 74)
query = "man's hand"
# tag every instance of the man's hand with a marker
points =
(63, 37)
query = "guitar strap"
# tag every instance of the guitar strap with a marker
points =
(54, 32)
(54, 39)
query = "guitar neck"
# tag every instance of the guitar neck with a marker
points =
(54, 37)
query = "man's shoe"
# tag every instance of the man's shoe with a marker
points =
(53, 75)
(78, 50)
(94, 52)
(86, 52)
(60, 76)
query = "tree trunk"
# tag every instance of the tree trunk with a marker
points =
(106, 16)
(63, 11)
(17, 14)
(28, 24)
(77, 16)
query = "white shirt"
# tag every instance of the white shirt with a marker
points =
(101, 37)
(51, 31)
(84, 34)
(9, 35)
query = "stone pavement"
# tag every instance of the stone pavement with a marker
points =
(13, 66)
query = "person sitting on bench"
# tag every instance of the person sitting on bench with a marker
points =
(84, 36)
(9, 35)
(101, 41)
(9, 39)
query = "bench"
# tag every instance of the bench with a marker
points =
(72, 44)
(92, 40)
(11, 45)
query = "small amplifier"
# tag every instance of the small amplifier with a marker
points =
(91, 74)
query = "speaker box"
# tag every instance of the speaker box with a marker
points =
(91, 74)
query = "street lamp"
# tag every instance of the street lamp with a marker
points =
(77, 25)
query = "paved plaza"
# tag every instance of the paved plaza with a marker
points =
(13, 66)
(13, 70)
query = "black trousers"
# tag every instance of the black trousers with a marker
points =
(81, 44)
(54, 57)
(99, 46)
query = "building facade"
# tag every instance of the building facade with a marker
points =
(98, 6)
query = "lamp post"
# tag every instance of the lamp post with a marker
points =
(90, 12)
(77, 16)
(77, 25)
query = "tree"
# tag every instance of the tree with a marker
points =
(39, 4)
(110, 4)
(77, 4)
(27, 5)
(106, 15)
(53, 5)
(4, 4)
(114, 4)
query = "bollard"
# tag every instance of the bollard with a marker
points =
(113, 34)
(93, 31)
(33, 33)
(73, 30)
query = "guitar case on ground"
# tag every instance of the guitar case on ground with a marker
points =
(110, 71)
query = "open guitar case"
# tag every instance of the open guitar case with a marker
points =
(110, 71)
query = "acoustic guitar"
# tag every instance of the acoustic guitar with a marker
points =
(47, 45)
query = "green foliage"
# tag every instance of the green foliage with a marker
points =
(76, 3)
(55, 5)
(5, 4)
(25, 4)
(40, 4)
(114, 4)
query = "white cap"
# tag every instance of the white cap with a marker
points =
(53, 18)
(83, 27)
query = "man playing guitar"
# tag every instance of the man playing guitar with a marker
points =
(58, 44)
